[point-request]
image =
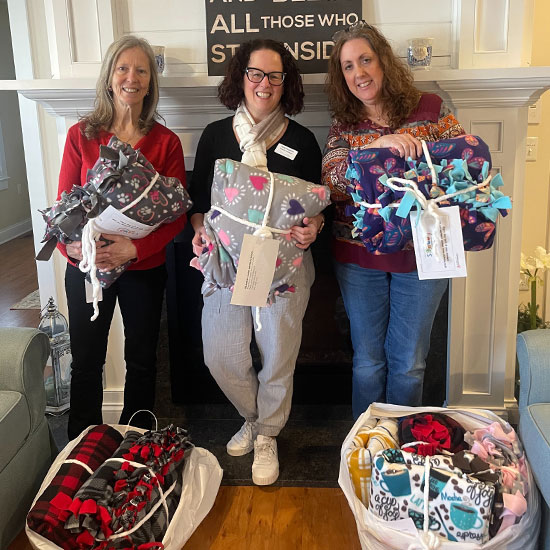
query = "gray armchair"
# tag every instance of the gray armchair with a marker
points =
(533, 351)
(26, 449)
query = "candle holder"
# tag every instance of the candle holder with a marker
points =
(419, 53)
(57, 373)
(159, 58)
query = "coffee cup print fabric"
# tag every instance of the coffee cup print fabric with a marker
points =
(459, 505)
(465, 517)
(396, 481)
(438, 480)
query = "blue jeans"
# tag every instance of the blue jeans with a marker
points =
(391, 317)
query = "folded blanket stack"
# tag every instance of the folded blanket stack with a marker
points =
(131, 498)
(114, 492)
(471, 484)
(460, 506)
(502, 450)
(369, 440)
(427, 434)
(48, 515)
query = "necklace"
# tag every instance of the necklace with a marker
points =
(128, 137)
(379, 118)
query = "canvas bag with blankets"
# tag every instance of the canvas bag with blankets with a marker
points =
(201, 478)
(377, 534)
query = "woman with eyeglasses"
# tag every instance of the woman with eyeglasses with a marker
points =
(375, 104)
(262, 84)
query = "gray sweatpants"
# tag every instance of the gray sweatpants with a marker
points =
(264, 397)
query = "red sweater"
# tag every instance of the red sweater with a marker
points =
(163, 150)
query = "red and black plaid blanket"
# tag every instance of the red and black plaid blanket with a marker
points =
(121, 505)
(47, 517)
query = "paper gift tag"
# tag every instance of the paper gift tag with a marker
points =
(448, 240)
(255, 271)
(113, 221)
(90, 292)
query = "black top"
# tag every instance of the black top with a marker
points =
(218, 141)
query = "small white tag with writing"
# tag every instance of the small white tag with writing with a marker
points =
(90, 292)
(255, 271)
(113, 221)
(286, 151)
(441, 255)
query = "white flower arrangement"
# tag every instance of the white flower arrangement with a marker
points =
(532, 268)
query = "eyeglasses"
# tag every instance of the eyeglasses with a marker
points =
(358, 25)
(256, 75)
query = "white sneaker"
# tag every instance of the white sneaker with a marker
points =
(265, 468)
(243, 441)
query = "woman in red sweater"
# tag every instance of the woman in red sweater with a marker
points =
(125, 106)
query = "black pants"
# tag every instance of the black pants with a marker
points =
(140, 295)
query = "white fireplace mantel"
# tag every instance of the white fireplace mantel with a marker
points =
(465, 88)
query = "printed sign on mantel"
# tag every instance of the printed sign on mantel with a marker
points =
(306, 28)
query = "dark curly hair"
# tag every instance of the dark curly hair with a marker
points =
(231, 91)
(398, 95)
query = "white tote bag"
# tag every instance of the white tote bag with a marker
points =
(377, 534)
(201, 478)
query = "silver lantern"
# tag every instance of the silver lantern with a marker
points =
(57, 374)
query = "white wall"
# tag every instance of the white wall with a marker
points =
(14, 199)
(536, 221)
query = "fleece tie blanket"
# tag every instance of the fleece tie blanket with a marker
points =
(124, 179)
(381, 212)
(48, 515)
(459, 506)
(246, 199)
(131, 499)
(374, 436)
(501, 448)
(429, 433)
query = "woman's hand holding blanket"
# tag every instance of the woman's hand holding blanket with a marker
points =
(405, 144)
(119, 251)
(201, 238)
(305, 236)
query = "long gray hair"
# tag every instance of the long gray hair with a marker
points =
(101, 118)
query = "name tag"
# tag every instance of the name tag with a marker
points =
(255, 271)
(286, 151)
(440, 255)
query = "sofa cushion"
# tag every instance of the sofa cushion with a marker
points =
(534, 428)
(15, 424)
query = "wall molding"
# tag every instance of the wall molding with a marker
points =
(15, 230)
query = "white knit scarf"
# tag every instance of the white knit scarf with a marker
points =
(254, 137)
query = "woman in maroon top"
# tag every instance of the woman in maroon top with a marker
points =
(125, 106)
(375, 104)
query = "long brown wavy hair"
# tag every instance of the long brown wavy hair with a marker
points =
(101, 118)
(231, 91)
(398, 95)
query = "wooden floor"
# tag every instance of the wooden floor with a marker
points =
(243, 518)
(17, 280)
(273, 518)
